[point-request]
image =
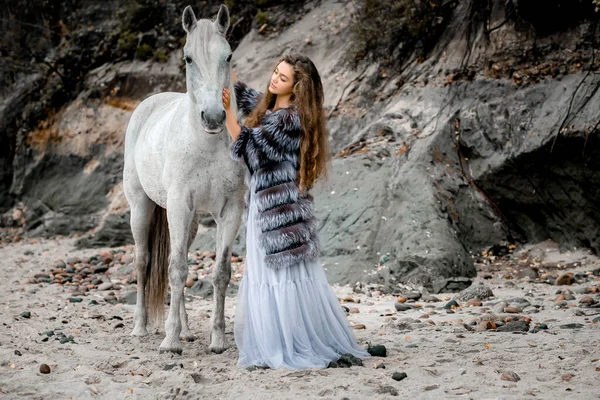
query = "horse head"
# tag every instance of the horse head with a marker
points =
(207, 55)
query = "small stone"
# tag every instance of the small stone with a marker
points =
(597, 319)
(571, 326)
(110, 298)
(359, 326)
(412, 295)
(348, 360)
(565, 279)
(475, 292)
(189, 283)
(511, 310)
(451, 304)
(538, 328)
(388, 389)
(354, 310)
(74, 299)
(510, 376)
(528, 272)
(169, 367)
(18, 353)
(398, 376)
(99, 269)
(25, 314)
(514, 326)
(429, 299)
(105, 286)
(402, 307)
(379, 365)
(587, 300)
(377, 351)
(119, 325)
(59, 264)
(45, 369)
(474, 303)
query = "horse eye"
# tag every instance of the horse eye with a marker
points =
(229, 58)
(188, 59)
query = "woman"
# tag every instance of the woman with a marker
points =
(287, 314)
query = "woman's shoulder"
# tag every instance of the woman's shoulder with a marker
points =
(286, 119)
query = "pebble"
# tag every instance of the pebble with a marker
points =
(510, 376)
(450, 304)
(565, 279)
(587, 300)
(119, 325)
(430, 298)
(597, 319)
(499, 308)
(571, 326)
(392, 391)
(511, 310)
(528, 272)
(398, 376)
(379, 365)
(412, 295)
(474, 303)
(189, 282)
(538, 328)
(105, 286)
(45, 369)
(402, 307)
(74, 299)
(348, 360)
(377, 351)
(25, 314)
(475, 292)
(514, 326)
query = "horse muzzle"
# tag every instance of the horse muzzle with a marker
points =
(213, 122)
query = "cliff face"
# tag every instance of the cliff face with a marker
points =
(483, 130)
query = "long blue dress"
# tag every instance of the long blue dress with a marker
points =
(288, 317)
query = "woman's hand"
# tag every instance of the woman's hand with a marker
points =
(226, 100)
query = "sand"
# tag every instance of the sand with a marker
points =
(441, 358)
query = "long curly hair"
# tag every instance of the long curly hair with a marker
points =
(308, 99)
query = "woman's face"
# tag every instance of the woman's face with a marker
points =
(282, 80)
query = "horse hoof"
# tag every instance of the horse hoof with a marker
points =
(187, 337)
(139, 332)
(174, 350)
(170, 347)
(218, 346)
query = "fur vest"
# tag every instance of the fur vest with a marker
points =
(271, 152)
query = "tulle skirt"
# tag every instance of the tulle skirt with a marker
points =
(288, 317)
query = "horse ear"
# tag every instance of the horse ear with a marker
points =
(189, 19)
(222, 20)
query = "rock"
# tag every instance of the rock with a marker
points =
(565, 279)
(571, 326)
(379, 365)
(398, 376)
(110, 298)
(28, 253)
(169, 367)
(45, 369)
(587, 301)
(74, 299)
(18, 353)
(451, 304)
(119, 325)
(540, 327)
(597, 319)
(189, 282)
(474, 303)
(412, 295)
(429, 298)
(392, 391)
(451, 285)
(475, 292)
(99, 269)
(128, 298)
(402, 307)
(59, 264)
(25, 314)
(348, 360)
(514, 326)
(528, 272)
(377, 351)
(510, 376)
(511, 310)
(499, 308)
(531, 310)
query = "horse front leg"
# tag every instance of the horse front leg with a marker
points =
(227, 228)
(186, 334)
(180, 215)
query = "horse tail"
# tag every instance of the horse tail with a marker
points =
(157, 270)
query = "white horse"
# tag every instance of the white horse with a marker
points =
(177, 165)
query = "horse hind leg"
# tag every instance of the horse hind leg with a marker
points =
(186, 334)
(142, 211)
(227, 228)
